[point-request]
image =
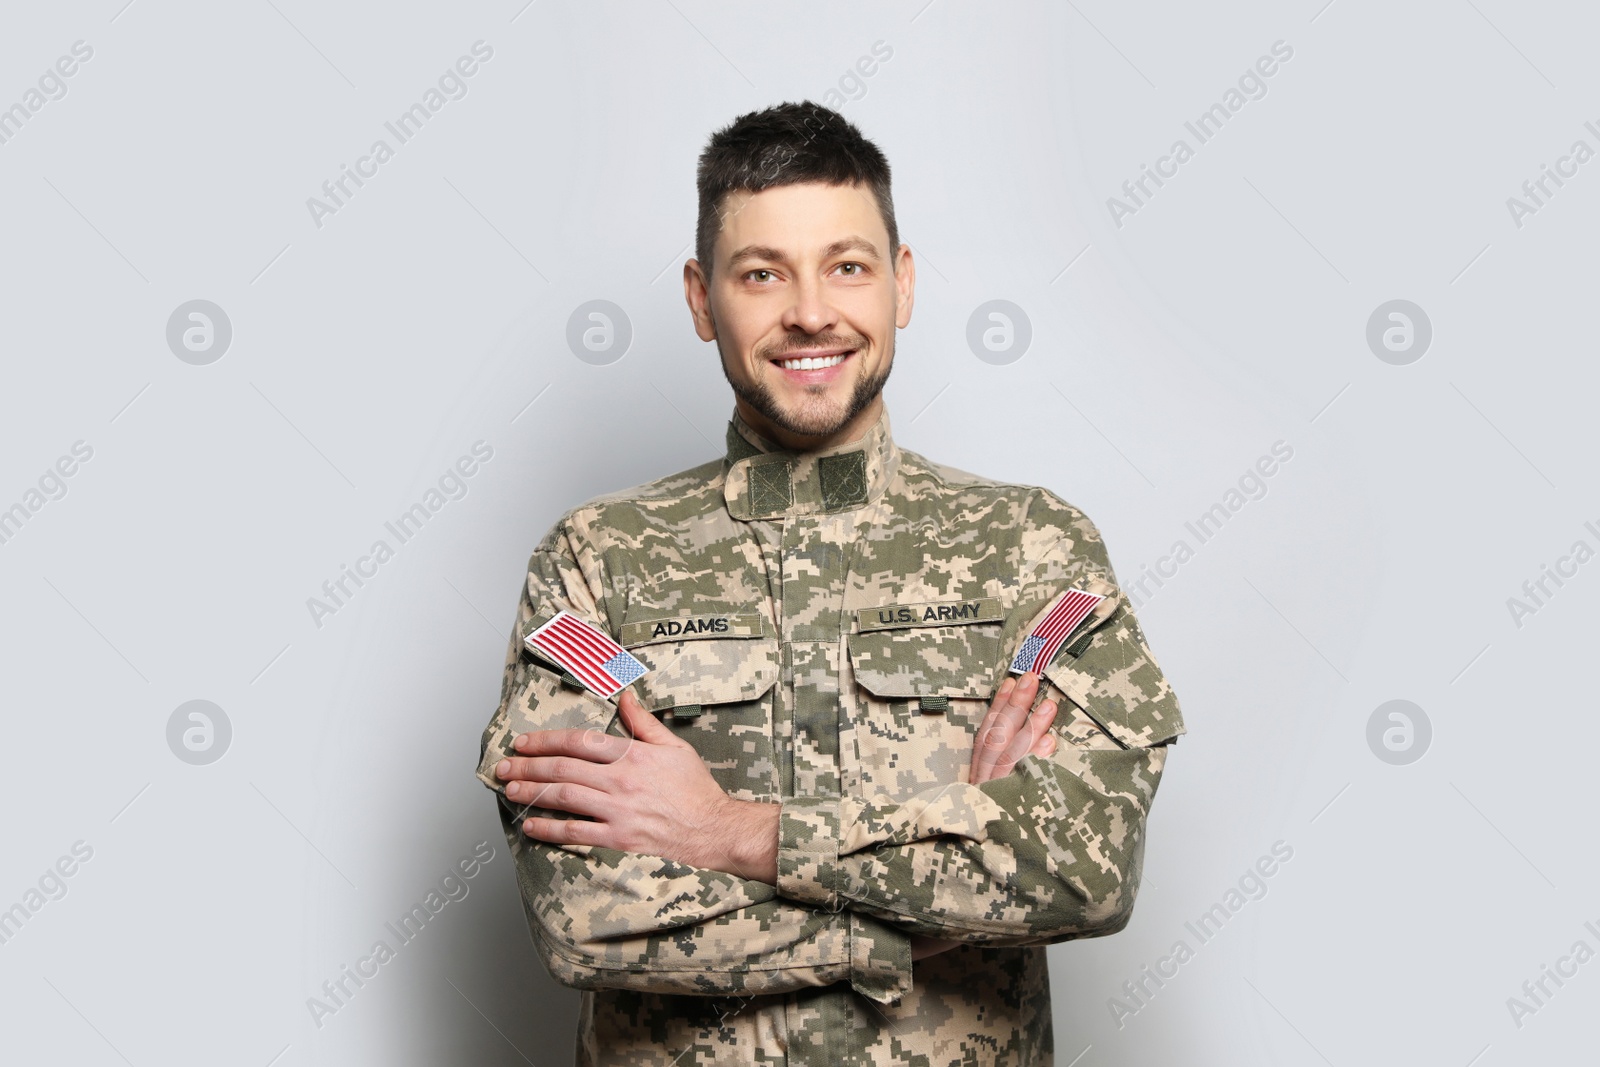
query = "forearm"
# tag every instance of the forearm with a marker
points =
(1050, 852)
(604, 919)
(749, 840)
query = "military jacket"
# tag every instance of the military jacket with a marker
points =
(827, 629)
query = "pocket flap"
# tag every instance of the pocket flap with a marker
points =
(714, 658)
(1114, 678)
(917, 661)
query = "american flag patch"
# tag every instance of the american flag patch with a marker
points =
(1046, 639)
(592, 657)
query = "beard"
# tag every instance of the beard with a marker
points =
(814, 415)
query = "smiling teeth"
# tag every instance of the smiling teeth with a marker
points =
(811, 362)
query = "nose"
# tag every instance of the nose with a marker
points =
(810, 312)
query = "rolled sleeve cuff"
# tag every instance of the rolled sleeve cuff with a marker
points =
(808, 851)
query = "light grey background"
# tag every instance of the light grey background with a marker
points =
(1168, 353)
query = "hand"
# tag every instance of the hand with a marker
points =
(1008, 732)
(649, 793)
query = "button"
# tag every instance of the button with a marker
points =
(933, 705)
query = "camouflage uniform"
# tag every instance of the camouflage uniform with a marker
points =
(827, 629)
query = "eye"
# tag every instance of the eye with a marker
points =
(850, 269)
(759, 275)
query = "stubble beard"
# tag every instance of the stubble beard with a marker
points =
(813, 416)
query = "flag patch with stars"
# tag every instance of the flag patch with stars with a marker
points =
(592, 657)
(1047, 637)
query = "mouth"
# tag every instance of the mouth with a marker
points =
(813, 367)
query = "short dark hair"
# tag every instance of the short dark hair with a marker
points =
(786, 145)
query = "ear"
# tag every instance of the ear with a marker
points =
(697, 292)
(905, 285)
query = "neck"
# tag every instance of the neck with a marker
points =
(799, 442)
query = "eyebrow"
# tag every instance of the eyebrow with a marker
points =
(845, 244)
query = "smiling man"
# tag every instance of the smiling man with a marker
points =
(806, 753)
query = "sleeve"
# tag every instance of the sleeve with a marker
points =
(606, 919)
(1050, 852)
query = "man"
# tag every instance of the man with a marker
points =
(898, 729)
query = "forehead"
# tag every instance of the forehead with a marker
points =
(800, 219)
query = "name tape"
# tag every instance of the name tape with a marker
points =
(938, 613)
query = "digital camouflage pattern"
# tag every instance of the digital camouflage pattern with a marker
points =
(827, 630)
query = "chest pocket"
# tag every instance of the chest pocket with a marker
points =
(710, 682)
(923, 686)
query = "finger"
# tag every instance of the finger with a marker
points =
(561, 796)
(991, 719)
(547, 769)
(567, 831)
(1033, 728)
(1005, 719)
(1022, 731)
(594, 745)
(1000, 697)
(643, 725)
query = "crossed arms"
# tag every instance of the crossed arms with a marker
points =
(638, 871)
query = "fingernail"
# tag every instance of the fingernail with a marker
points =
(502, 768)
(512, 789)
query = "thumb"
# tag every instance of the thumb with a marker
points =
(641, 724)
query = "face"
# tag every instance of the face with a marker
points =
(803, 302)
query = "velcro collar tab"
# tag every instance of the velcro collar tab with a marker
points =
(765, 482)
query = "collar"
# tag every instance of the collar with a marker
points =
(764, 481)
